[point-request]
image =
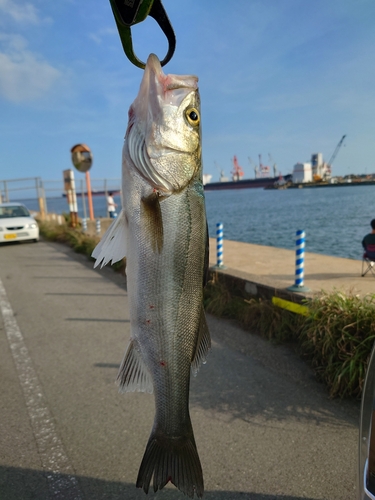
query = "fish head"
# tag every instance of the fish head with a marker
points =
(163, 137)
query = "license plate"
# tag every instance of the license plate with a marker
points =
(10, 236)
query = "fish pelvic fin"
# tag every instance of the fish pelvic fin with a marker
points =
(133, 374)
(171, 459)
(203, 344)
(112, 246)
(152, 220)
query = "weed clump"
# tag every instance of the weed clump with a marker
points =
(75, 238)
(337, 337)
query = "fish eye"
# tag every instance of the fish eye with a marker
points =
(192, 116)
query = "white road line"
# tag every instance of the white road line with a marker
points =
(59, 472)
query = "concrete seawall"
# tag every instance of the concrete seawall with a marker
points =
(267, 271)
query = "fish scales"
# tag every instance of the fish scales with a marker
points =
(162, 230)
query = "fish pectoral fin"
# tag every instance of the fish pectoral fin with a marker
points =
(112, 246)
(206, 259)
(203, 344)
(133, 374)
(152, 220)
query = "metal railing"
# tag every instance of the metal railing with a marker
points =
(40, 191)
(27, 185)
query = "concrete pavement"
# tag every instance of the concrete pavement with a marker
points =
(275, 268)
(265, 429)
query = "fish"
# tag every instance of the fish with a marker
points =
(162, 232)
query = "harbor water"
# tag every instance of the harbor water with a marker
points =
(335, 220)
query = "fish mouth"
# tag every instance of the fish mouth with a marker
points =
(157, 88)
(158, 92)
(153, 65)
(154, 70)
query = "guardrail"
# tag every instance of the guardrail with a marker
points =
(40, 191)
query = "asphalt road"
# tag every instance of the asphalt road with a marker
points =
(265, 429)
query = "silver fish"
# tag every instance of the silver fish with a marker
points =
(162, 230)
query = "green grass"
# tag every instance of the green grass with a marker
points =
(337, 338)
(75, 238)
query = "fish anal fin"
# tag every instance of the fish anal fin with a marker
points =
(203, 344)
(152, 220)
(133, 374)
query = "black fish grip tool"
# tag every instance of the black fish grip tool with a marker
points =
(130, 12)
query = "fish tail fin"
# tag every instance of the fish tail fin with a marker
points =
(171, 459)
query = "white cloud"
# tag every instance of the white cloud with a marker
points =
(24, 13)
(101, 34)
(24, 76)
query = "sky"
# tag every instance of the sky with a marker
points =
(285, 78)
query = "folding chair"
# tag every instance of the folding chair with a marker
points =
(368, 260)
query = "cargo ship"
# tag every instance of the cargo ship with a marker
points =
(95, 192)
(263, 182)
(262, 178)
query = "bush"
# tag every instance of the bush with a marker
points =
(338, 337)
(80, 242)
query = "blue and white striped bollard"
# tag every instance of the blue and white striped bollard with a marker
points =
(98, 226)
(300, 263)
(219, 245)
(300, 257)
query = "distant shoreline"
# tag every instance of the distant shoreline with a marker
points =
(272, 185)
(333, 184)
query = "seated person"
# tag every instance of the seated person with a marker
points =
(368, 243)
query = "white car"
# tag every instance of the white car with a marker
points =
(16, 223)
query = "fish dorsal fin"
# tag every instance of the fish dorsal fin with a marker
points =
(152, 220)
(133, 374)
(203, 344)
(112, 247)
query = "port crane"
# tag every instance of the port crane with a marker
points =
(331, 160)
(237, 172)
(274, 166)
(255, 168)
(326, 168)
(336, 151)
(222, 173)
(264, 169)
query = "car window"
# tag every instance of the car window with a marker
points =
(16, 211)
